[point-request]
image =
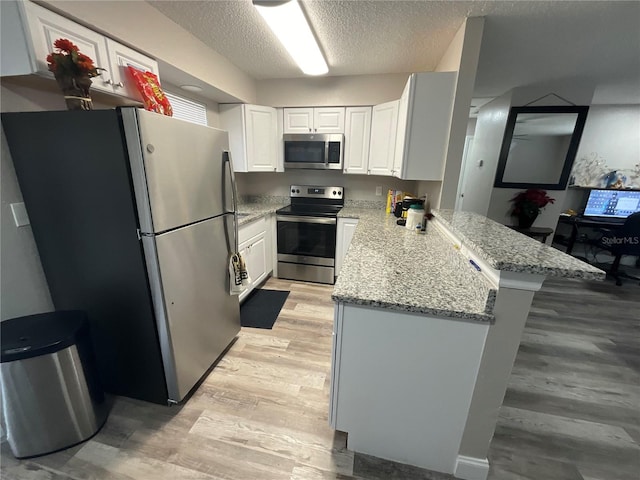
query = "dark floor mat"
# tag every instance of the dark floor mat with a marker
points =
(262, 307)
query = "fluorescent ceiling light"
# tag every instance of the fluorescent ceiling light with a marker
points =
(289, 24)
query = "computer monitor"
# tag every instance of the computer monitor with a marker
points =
(612, 203)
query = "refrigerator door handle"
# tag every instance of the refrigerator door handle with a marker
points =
(226, 156)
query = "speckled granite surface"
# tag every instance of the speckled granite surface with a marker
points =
(364, 203)
(249, 212)
(391, 267)
(360, 212)
(507, 250)
(265, 199)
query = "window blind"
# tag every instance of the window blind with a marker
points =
(186, 109)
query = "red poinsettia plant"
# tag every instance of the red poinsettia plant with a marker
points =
(68, 61)
(530, 202)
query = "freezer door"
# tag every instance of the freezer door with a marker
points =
(178, 171)
(197, 318)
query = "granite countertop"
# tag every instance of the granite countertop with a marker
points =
(391, 267)
(507, 250)
(249, 211)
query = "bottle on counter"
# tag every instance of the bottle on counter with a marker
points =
(415, 214)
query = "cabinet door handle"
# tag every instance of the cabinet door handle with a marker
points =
(274, 169)
(309, 128)
(110, 82)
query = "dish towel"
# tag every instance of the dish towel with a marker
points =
(238, 275)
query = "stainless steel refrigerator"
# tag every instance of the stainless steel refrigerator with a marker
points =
(133, 214)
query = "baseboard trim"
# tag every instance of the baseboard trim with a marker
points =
(470, 468)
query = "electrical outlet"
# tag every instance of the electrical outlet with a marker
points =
(379, 191)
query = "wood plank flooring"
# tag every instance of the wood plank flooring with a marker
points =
(571, 411)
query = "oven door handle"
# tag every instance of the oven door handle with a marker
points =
(296, 219)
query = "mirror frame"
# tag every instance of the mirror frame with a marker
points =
(571, 153)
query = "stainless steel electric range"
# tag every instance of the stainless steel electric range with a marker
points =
(307, 233)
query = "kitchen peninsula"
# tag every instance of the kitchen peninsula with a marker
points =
(427, 327)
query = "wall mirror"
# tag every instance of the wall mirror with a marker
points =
(539, 146)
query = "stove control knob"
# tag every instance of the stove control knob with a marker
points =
(335, 193)
(293, 190)
(339, 193)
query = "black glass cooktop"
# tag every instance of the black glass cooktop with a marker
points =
(310, 210)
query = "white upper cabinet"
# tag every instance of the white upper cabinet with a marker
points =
(44, 27)
(298, 120)
(384, 123)
(357, 134)
(28, 33)
(253, 136)
(424, 121)
(262, 135)
(120, 57)
(314, 120)
(403, 108)
(328, 120)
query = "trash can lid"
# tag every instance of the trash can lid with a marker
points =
(40, 334)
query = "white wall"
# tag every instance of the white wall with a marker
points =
(538, 159)
(462, 56)
(23, 288)
(471, 126)
(331, 91)
(357, 187)
(480, 196)
(613, 133)
(485, 149)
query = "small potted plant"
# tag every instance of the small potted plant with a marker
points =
(73, 72)
(527, 206)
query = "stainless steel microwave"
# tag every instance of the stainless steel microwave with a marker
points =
(321, 151)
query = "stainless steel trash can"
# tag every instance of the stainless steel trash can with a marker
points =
(52, 398)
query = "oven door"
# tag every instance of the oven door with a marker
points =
(306, 240)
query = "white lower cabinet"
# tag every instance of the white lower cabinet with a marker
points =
(346, 229)
(255, 241)
(392, 392)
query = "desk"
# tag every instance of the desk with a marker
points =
(577, 221)
(534, 232)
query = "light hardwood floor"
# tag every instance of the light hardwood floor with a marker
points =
(571, 411)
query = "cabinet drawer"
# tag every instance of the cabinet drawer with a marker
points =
(247, 232)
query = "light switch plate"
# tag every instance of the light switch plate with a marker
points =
(19, 214)
(378, 191)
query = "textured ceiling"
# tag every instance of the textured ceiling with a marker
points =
(525, 42)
